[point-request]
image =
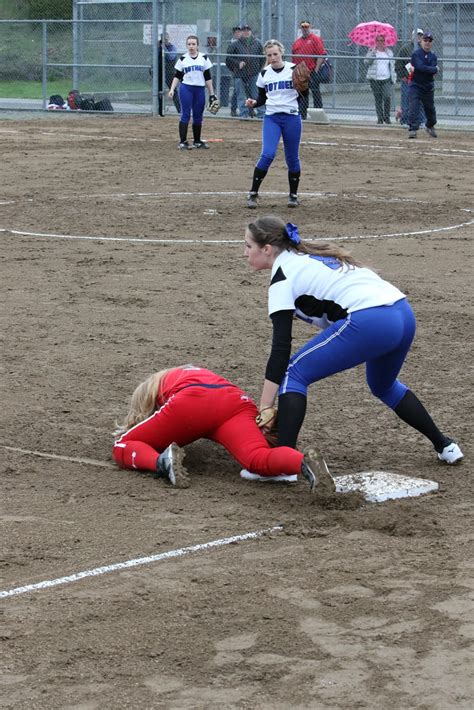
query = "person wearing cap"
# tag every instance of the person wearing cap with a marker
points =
(245, 60)
(421, 88)
(309, 48)
(403, 59)
(236, 35)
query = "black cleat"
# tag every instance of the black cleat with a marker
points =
(252, 200)
(293, 200)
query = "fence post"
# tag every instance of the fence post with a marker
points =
(154, 60)
(456, 63)
(75, 46)
(218, 48)
(44, 62)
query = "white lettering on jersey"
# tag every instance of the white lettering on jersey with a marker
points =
(278, 85)
(193, 68)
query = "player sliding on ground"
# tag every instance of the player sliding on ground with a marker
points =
(361, 319)
(175, 407)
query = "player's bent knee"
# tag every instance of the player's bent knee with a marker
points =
(392, 396)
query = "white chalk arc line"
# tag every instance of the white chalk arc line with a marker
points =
(239, 242)
(97, 571)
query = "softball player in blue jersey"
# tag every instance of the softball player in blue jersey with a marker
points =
(361, 317)
(193, 73)
(282, 120)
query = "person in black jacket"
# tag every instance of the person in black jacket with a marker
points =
(404, 58)
(170, 53)
(245, 60)
(230, 63)
(421, 89)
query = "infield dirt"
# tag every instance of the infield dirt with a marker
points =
(346, 607)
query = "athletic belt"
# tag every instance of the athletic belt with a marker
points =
(205, 384)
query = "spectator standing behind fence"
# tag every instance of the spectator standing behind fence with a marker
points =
(192, 73)
(170, 52)
(421, 88)
(309, 44)
(381, 76)
(245, 60)
(230, 63)
(404, 58)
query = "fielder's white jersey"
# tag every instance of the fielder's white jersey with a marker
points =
(322, 292)
(278, 85)
(193, 68)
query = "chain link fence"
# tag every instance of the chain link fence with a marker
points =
(112, 49)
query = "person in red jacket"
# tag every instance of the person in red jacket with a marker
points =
(175, 407)
(309, 44)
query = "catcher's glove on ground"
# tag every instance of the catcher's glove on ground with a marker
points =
(213, 104)
(301, 77)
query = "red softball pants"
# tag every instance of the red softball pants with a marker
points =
(225, 415)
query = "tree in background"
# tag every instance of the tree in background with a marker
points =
(49, 9)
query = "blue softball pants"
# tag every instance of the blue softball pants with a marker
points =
(275, 126)
(380, 336)
(192, 98)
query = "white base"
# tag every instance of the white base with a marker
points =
(317, 115)
(377, 486)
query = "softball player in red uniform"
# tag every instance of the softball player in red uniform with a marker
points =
(175, 407)
(361, 318)
(193, 73)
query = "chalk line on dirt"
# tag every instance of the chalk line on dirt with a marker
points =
(97, 571)
(143, 240)
(58, 457)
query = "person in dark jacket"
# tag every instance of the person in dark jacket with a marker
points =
(404, 58)
(170, 53)
(245, 60)
(230, 63)
(421, 89)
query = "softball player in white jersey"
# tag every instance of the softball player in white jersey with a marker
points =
(193, 73)
(363, 319)
(282, 120)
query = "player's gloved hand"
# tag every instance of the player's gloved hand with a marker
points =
(213, 105)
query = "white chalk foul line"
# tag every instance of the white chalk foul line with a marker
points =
(136, 562)
(431, 230)
(58, 457)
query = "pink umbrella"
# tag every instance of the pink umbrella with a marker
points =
(365, 33)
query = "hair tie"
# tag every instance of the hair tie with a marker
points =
(293, 234)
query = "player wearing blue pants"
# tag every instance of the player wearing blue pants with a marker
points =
(361, 317)
(282, 120)
(193, 73)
